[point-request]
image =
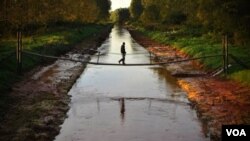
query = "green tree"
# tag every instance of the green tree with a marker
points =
(23, 13)
(226, 17)
(120, 15)
(150, 14)
(136, 9)
(215, 16)
(104, 7)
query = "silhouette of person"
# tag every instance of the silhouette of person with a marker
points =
(123, 52)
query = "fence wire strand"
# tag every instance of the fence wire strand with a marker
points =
(115, 64)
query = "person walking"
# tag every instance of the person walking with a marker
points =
(123, 52)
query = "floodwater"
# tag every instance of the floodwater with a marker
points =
(124, 103)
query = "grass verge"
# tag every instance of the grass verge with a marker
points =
(197, 45)
(53, 41)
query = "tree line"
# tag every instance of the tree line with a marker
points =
(21, 13)
(219, 16)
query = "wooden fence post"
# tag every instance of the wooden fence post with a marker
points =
(98, 56)
(150, 57)
(225, 53)
(19, 52)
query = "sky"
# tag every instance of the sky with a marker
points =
(115, 4)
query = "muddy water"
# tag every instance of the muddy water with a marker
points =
(119, 103)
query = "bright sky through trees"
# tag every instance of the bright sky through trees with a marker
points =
(115, 4)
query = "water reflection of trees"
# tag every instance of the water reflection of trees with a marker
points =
(120, 31)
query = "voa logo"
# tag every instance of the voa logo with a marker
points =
(236, 132)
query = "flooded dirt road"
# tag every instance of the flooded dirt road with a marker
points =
(121, 103)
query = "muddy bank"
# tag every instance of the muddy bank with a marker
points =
(40, 100)
(217, 101)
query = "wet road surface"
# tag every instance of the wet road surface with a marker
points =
(119, 103)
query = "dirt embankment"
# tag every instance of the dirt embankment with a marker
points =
(40, 100)
(217, 101)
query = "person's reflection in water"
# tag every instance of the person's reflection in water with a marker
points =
(122, 110)
(98, 104)
(149, 105)
(123, 52)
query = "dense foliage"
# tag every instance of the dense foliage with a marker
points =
(196, 28)
(23, 13)
(230, 17)
(136, 9)
(120, 16)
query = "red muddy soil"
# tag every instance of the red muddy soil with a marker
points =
(217, 101)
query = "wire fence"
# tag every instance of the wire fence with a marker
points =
(115, 64)
(172, 60)
(42, 55)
